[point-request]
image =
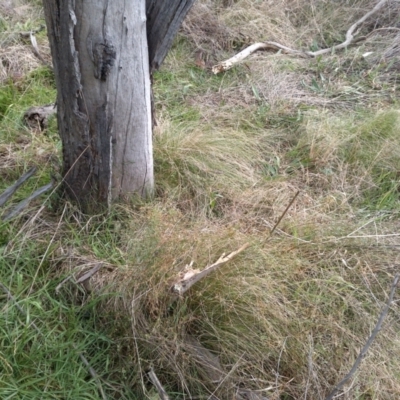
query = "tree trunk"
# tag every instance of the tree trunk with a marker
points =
(101, 66)
(101, 63)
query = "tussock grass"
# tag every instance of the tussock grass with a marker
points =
(365, 146)
(204, 166)
(288, 316)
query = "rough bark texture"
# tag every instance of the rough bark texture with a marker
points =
(101, 64)
(164, 19)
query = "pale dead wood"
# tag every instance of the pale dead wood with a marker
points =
(370, 340)
(13, 188)
(38, 117)
(190, 276)
(350, 32)
(228, 64)
(84, 360)
(156, 382)
(36, 50)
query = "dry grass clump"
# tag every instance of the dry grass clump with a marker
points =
(365, 147)
(203, 166)
(16, 54)
(16, 62)
(284, 318)
(203, 28)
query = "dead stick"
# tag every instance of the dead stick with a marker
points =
(284, 213)
(24, 203)
(156, 382)
(12, 189)
(370, 340)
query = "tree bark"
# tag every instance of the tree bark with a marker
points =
(103, 53)
(164, 18)
(101, 65)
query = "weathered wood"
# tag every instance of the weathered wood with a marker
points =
(38, 117)
(101, 65)
(190, 276)
(25, 203)
(13, 188)
(164, 19)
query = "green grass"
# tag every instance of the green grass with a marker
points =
(291, 312)
(44, 334)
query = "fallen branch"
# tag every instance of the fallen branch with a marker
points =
(228, 64)
(13, 188)
(190, 276)
(84, 360)
(370, 340)
(82, 279)
(156, 382)
(24, 203)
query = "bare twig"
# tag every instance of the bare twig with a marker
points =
(227, 64)
(190, 276)
(350, 32)
(370, 340)
(24, 203)
(156, 382)
(283, 214)
(84, 360)
(12, 189)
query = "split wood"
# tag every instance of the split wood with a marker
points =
(190, 276)
(228, 64)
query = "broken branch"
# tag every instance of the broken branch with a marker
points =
(191, 276)
(13, 188)
(228, 64)
(24, 203)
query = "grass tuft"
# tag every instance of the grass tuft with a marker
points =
(287, 317)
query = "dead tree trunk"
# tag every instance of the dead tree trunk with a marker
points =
(101, 64)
